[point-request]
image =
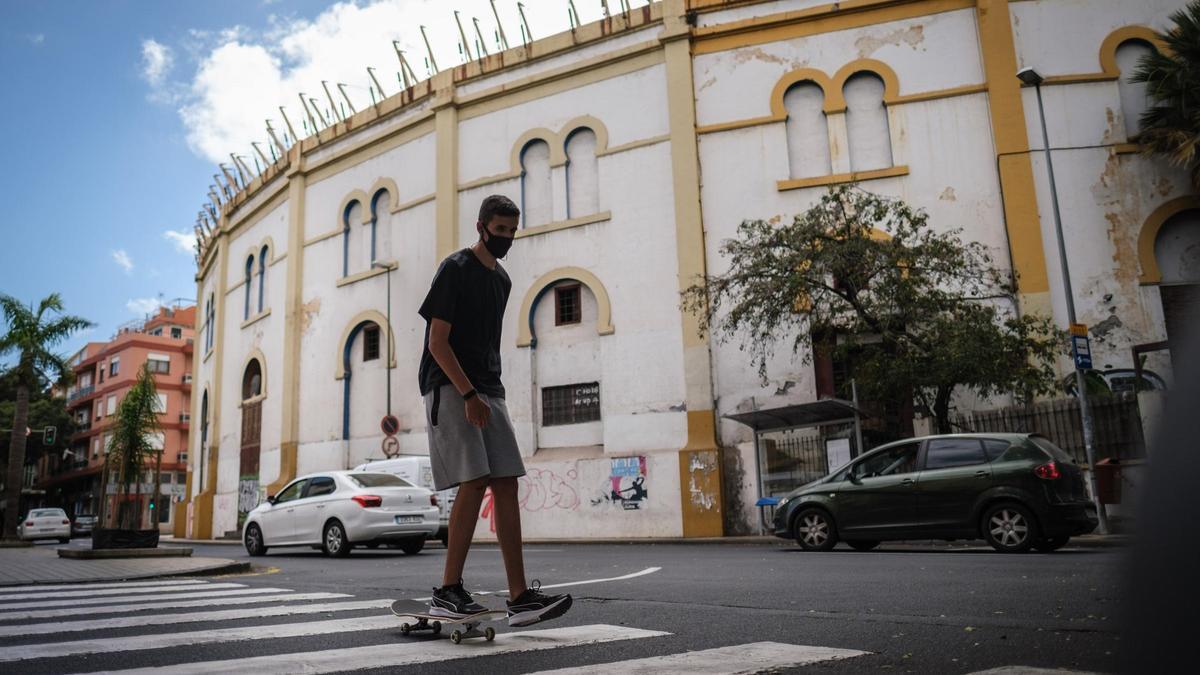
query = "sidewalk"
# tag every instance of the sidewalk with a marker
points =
(41, 565)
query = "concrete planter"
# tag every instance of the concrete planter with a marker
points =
(105, 538)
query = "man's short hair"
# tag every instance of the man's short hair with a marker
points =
(497, 205)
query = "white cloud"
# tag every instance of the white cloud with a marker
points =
(244, 76)
(157, 60)
(142, 306)
(184, 240)
(122, 258)
(37, 38)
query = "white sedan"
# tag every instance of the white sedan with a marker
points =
(338, 510)
(45, 524)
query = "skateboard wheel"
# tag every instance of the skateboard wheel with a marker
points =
(489, 633)
(405, 629)
(456, 637)
(437, 627)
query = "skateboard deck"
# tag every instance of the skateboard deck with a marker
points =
(424, 621)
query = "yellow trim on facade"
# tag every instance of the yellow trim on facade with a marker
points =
(604, 325)
(292, 330)
(564, 224)
(375, 317)
(920, 97)
(1109, 71)
(837, 179)
(253, 355)
(359, 276)
(252, 217)
(1127, 148)
(256, 318)
(815, 20)
(446, 170)
(369, 148)
(1150, 273)
(634, 145)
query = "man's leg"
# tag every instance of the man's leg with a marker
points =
(463, 518)
(508, 531)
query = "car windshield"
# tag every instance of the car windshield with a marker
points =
(1053, 450)
(370, 480)
(48, 513)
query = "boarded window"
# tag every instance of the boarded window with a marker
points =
(583, 196)
(370, 343)
(867, 123)
(567, 308)
(807, 131)
(537, 204)
(571, 404)
(1133, 94)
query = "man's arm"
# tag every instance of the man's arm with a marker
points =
(439, 347)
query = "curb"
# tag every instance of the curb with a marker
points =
(123, 553)
(227, 567)
(1087, 541)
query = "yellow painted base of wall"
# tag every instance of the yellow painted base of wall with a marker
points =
(700, 496)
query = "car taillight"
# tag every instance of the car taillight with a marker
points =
(1048, 472)
(368, 501)
(433, 500)
(66, 522)
(29, 523)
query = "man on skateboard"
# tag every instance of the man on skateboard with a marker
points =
(471, 440)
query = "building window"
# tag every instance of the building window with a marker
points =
(583, 192)
(252, 380)
(114, 367)
(571, 404)
(867, 123)
(111, 405)
(1133, 94)
(262, 276)
(807, 131)
(159, 363)
(566, 305)
(537, 205)
(160, 403)
(370, 343)
(156, 332)
(249, 282)
(352, 247)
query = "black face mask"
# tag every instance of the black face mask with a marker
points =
(496, 245)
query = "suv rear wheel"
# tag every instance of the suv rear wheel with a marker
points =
(1009, 528)
(815, 531)
(862, 544)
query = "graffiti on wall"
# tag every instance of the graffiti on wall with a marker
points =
(702, 484)
(538, 490)
(627, 484)
(247, 497)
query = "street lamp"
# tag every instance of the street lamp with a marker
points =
(388, 343)
(1030, 77)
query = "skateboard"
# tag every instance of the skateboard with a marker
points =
(412, 609)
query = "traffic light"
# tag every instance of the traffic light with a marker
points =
(48, 435)
(152, 504)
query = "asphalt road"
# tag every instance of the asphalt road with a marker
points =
(911, 609)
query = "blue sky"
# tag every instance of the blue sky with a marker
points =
(116, 112)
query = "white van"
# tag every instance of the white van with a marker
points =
(416, 470)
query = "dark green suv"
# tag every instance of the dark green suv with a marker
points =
(1017, 491)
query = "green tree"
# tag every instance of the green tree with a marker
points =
(921, 312)
(31, 335)
(45, 410)
(130, 448)
(1170, 126)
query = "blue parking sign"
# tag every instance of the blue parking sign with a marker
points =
(1082, 349)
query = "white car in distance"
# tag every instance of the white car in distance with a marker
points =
(45, 524)
(338, 510)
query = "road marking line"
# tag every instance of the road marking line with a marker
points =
(112, 645)
(170, 604)
(4, 609)
(124, 584)
(735, 659)
(110, 591)
(391, 655)
(188, 617)
(648, 570)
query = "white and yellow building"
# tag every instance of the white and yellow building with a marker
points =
(634, 146)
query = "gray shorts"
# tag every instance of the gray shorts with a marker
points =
(460, 451)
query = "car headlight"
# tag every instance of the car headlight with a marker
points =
(783, 502)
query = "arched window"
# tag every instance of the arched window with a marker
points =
(249, 284)
(867, 123)
(537, 206)
(365, 359)
(252, 380)
(210, 318)
(351, 253)
(583, 190)
(1177, 252)
(262, 276)
(807, 131)
(1133, 94)
(380, 226)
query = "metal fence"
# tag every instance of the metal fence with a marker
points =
(1117, 425)
(794, 457)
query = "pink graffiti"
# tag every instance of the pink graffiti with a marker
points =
(537, 490)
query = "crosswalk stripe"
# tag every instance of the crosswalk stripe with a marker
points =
(168, 604)
(87, 592)
(188, 617)
(123, 584)
(201, 637)
(748, 658)
(393, 655)
(4, 609)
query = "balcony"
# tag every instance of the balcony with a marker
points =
(184, 418)
(85, 391)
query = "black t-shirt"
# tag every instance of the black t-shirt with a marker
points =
(471, 298)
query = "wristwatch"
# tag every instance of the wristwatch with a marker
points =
(470, 395)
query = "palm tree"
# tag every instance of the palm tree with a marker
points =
(130, 447)
(31, 336)
(1170, 126)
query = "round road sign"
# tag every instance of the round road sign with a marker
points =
(390, 446)
(389, 425)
